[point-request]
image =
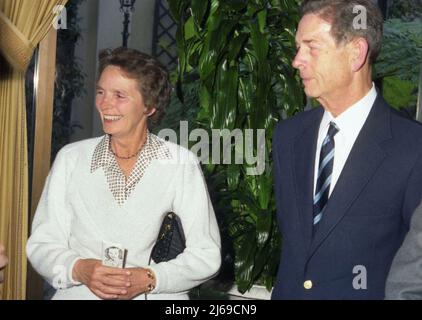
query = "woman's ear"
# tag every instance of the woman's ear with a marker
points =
(150, 111)
(360, 53)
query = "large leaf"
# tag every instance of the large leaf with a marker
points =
(223, 114)
(199, 9)
(233, 175)
(263, 227)
(177, 8)
(215, 44)
(244, 261)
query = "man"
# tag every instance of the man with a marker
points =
(404, 281)
(348, 175)
(3, 261)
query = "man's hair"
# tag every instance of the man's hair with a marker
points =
(341, 15)
(151, 75)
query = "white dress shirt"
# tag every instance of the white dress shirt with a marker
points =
(350, 122)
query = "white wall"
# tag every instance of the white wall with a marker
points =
(142, 26)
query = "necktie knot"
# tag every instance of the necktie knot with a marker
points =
(332, 131)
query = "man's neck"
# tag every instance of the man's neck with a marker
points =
(339, 102)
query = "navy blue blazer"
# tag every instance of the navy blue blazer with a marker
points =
(367, 215)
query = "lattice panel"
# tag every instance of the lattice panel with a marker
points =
(164, 46)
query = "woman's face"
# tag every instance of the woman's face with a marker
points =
(120, 104)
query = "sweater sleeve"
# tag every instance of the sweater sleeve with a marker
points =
(48, 246)
(201, 259)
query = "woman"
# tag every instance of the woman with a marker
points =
(3, 261)
(117, 189)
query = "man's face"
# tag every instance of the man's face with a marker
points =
(324, 66)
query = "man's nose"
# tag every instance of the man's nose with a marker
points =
(298, 60)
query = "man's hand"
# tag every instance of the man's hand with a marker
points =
(104, 282)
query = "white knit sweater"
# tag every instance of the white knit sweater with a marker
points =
(77, 212)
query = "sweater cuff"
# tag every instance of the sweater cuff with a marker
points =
(72, 281)
(160, 278)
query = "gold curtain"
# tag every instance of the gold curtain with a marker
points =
(23, 24)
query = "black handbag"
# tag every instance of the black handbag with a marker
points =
(170, 241)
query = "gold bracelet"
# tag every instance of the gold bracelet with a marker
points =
(151, 276)
(150, 288)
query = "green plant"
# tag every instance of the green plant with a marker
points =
(401, 53)
(241, 53)
(406, 10)
(400, 94)
(400, 62)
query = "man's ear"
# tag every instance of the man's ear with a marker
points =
(359, 53)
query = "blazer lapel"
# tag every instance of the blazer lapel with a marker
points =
(304, 149)
(363, 161)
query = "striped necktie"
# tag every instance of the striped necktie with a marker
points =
(325, 170)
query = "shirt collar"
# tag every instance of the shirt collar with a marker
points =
(102, 154)
(154, 148)
(351, 121)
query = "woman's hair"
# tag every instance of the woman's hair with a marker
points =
(151, 75)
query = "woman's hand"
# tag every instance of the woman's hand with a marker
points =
(141, 281)
(104, 282)
(3, 258)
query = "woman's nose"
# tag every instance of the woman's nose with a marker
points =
(104, 102)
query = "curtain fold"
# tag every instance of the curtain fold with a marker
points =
(16, 48)
(23, 24)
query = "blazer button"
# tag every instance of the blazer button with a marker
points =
(308, 284)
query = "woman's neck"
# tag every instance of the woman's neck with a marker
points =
(128, 147)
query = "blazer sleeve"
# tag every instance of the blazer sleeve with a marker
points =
(47, 248)
(201, 259)
(404, 281)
